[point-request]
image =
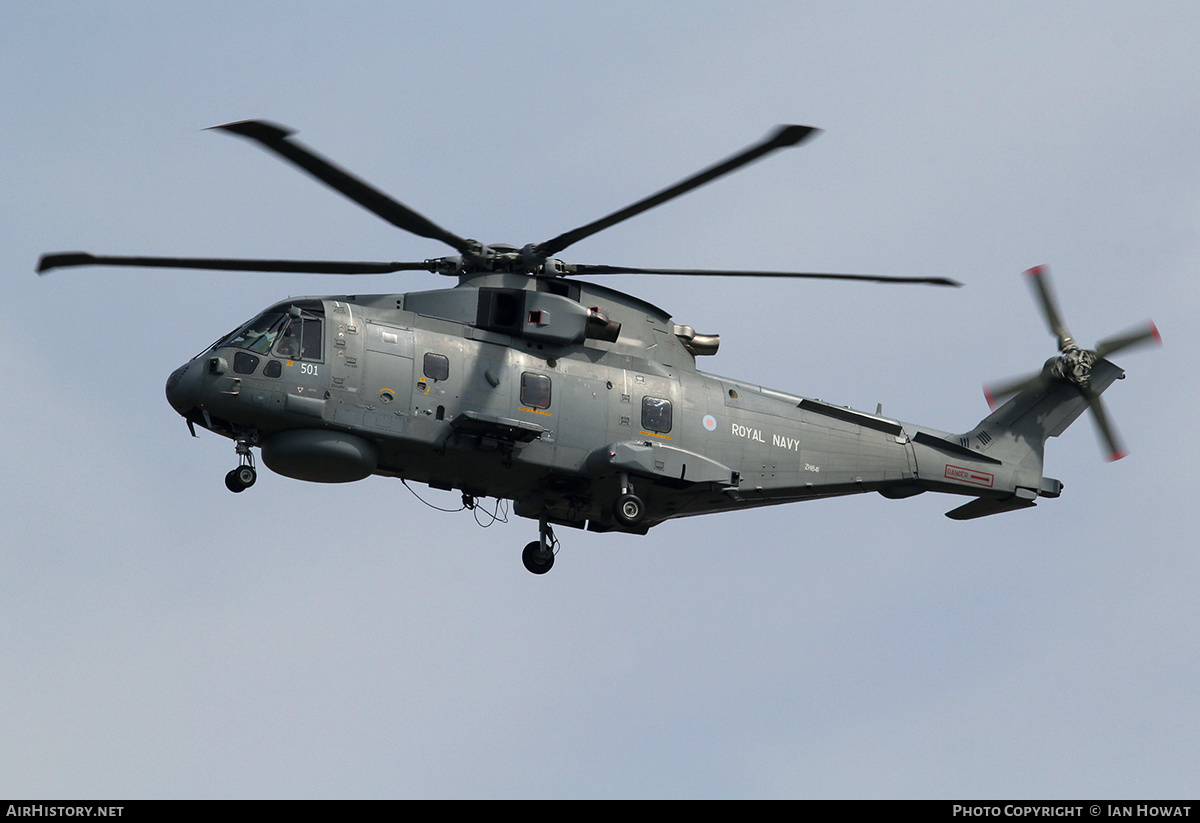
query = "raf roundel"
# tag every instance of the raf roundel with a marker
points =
(710, 422)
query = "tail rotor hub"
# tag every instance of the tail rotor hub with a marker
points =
(1074, 365)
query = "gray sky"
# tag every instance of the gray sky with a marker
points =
(161, 637)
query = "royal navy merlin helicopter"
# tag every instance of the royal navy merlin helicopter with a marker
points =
(579, 403)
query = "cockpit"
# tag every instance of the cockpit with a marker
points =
(292, 331)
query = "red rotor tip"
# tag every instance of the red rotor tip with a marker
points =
(1035, 271)
(991, 401)
(1154, 331)
(1117, 456)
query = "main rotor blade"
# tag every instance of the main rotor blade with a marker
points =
(782, 137)
(277, 139)
(871, 278)
(1115, 450)
(79, 258)
(1132, 337)
(1040, 278)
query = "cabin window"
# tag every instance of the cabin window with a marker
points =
(535, 391)
(656, 414)
(437, 366)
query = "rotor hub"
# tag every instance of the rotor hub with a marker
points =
(1074, 365)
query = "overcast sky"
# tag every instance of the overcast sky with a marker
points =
(161, 637)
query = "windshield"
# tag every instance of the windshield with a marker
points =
(294, 333)
(259, 334)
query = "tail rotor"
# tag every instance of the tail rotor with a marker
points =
(1074, 364)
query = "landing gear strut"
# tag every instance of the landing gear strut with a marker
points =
(538, 556)
(244, 475)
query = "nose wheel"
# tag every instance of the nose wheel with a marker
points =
(244, 475)
(241, 479)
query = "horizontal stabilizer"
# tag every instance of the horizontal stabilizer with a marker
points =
(983, 506)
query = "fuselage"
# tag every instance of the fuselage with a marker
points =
(550, 394)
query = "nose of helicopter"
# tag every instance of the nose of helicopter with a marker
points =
(183, 387)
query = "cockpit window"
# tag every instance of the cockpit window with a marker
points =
(259, 334)
(301, 339)
(294, 334)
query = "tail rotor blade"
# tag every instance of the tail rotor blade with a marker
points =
(1113, 448)
(1039, 277)
(996, 392)
(1133, 337)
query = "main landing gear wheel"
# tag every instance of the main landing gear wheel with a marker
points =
(629, 510)
(240, 479)
(538, 556)
(537, 559)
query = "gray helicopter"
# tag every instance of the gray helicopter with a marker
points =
(579, 403)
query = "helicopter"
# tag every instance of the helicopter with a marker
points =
(579, 403)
